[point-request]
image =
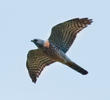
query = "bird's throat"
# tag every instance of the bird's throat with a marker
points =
(47, 44)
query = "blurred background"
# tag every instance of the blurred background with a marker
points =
(24, 20)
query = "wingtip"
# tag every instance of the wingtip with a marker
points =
(33, 77)
(86, 21)
(90, 21)
(34, 81)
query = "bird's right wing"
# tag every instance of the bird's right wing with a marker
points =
(36, 61)
(63, 34)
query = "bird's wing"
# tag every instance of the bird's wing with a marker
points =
(36, 61)
(63, 34)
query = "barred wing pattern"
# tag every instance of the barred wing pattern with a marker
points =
(63, 34)
(36, 61)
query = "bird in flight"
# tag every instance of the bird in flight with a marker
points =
(54, 49)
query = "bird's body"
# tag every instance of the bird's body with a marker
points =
(54, 53)
(54, 50)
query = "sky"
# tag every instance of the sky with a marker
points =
(24, 20)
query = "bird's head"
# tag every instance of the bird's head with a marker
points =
(39, 43)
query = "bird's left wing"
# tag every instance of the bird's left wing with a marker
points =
(36, 61)
(63, 34)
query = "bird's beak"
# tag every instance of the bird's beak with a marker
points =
(32, 40)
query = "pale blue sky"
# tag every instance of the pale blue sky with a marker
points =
(23, 20)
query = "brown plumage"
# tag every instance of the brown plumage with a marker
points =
(53, 50)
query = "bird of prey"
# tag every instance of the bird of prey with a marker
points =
(54, 49)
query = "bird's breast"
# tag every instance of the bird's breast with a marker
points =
(53, 52)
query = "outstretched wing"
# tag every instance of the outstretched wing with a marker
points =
(64, 34)
(36, 61)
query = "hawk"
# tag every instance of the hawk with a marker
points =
(55, 48)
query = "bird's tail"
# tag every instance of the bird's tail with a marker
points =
(77, 68)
